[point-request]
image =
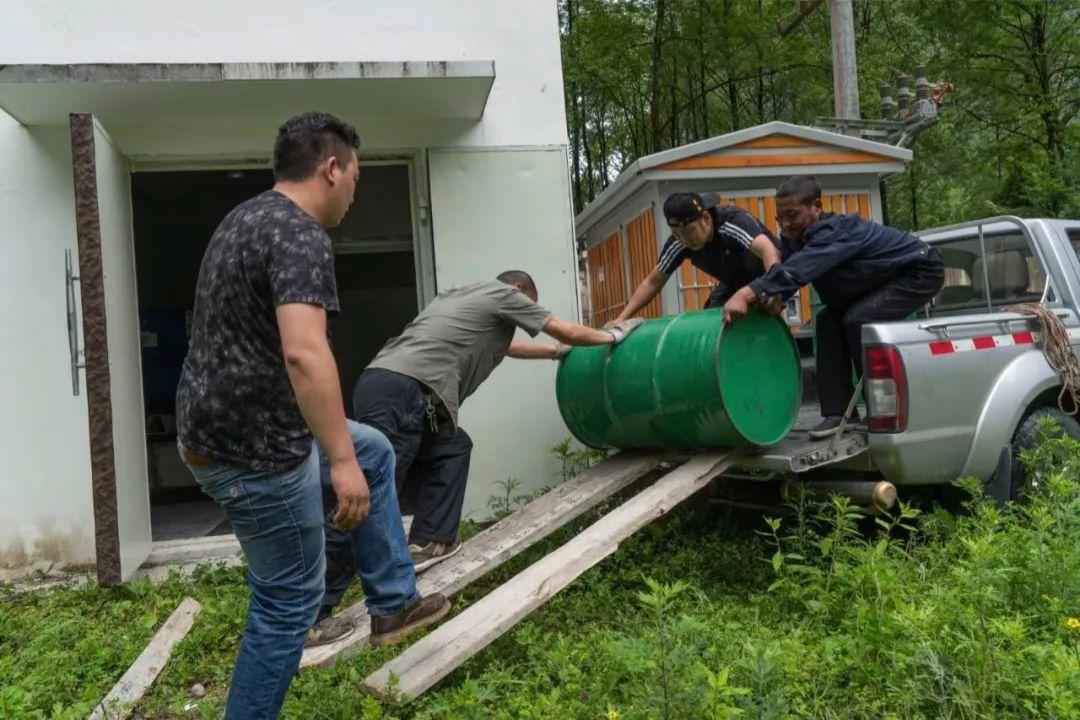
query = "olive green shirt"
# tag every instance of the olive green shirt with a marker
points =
(457, 340)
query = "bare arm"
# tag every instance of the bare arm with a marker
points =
(763, 247)
(649, 288)
(572, 333)
(313, 374)
(527, 350)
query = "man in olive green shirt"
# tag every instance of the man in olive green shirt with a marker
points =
(413, 388)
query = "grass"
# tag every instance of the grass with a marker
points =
(700, 615)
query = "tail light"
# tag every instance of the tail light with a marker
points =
(886, 389)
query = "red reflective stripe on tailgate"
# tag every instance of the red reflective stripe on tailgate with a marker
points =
(1023, 338)
(941, 347)
(984, 342)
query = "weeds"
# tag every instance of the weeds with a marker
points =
(574, 461)
(505, 502)
(824, 614)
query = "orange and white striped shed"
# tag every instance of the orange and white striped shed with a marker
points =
(623, 229)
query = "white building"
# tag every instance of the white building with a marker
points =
(129, 128)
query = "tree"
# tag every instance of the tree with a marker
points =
(645, 75)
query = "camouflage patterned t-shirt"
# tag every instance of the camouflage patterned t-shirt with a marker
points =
(235, 403)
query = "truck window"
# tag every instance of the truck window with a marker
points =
(1074, 240)
(1009, 273)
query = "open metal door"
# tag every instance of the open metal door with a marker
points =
(112, 355)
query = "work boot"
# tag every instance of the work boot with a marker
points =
(388, 629)
(426, 555)
(830, 425)
(328, 630)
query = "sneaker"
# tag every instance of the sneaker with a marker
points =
(388, 629)
(424, 556)
(831, 425)
(329, 630)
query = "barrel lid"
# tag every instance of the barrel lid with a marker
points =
(758, 360)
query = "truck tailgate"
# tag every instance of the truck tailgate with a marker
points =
(798, 452)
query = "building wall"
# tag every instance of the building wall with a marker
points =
(513, 418)
(44, 428)
(525, 106)
(46, 513)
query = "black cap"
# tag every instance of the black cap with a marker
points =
(684, 207)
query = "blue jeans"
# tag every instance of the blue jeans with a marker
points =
(278, 519)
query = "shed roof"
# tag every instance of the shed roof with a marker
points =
(772, 149)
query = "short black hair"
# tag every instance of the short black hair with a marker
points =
(684, 207)
(518, 277)
(304, 141)
(803, 188)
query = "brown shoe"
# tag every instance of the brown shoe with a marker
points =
(428, 554)
(388, 629)
(329, 630)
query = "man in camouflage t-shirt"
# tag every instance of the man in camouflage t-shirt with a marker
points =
(259, 379)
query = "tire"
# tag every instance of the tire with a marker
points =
(1026, 436)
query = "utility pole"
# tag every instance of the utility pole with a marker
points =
(900, 121)
(845, 77)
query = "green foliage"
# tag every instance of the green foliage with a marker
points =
(647, 75)
(822, 614)
(573, 461)
(505, 502)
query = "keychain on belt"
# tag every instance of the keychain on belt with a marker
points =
(432, 416)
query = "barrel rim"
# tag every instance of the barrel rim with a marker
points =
(562, 415)
(793, 417)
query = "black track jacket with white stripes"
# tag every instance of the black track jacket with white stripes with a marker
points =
(728, 257)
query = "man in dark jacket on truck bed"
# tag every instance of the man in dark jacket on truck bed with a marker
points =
(864, 272)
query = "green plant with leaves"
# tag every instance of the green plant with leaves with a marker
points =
(505, 502)
(574, 460)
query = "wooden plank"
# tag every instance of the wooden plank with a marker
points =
(129, 690)
(642, 233)
(687, 273)
(594, 283)
(804, 303)
(851, 204)
(753, 207)
(864, 205)
(502, 541)
(448, 646)
(832, 157)
(769, 214)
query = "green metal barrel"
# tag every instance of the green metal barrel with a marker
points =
(685, 381)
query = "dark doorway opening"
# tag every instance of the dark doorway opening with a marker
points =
(175, 214)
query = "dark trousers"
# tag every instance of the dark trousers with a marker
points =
(839, 330)
(400, 408)
(719, 295)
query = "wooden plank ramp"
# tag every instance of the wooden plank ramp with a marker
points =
(448, 646)
(502, 541)
(129, 690)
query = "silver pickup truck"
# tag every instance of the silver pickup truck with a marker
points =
(955, 391)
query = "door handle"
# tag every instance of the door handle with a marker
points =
(77, 361)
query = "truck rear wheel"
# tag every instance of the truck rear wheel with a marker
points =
(1026, 437)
